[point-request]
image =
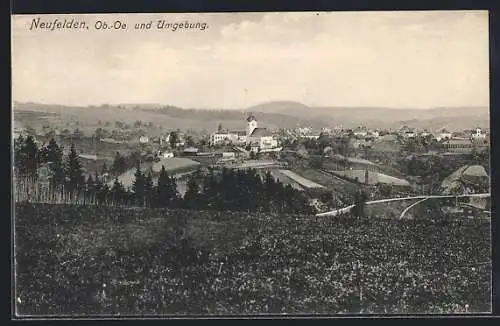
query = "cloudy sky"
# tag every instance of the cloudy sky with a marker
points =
(389, 59)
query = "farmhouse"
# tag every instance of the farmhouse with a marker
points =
(478, 134)
(314, 136)
(190, 151)
(166, 154)
(360, 132)
(443, 135)
(302, 131)
(374, 134)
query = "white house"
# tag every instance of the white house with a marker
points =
(312, 136)
(218, 138)
(410, 134)
(144, 139)
(303, 130)
(444, 134)
(425, 133)
(478, 134)
(360, 132)
(235, 137)
(166, 154)
(228, 154)
(191, 150)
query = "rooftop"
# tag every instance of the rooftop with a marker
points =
(458, 141)
(239, 132)
(261, 132)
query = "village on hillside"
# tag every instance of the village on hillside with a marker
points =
(320, 162)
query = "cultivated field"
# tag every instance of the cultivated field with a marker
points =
(173, 165)
(255, 164)
(300, 180)
(80, 260)
(373, 177)
(284, 179)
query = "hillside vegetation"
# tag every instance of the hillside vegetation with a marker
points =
(276, 114)
(74, 260)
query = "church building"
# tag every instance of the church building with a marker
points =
(259, 139)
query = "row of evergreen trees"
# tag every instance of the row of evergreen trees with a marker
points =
(217, 189)
(244, 190)
(64, 172)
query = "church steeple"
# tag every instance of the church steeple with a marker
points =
(251, 117)
(252, 124)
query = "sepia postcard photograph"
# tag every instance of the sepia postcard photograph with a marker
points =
(251, 164)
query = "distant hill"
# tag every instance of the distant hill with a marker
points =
(169, 117)
(453, 118)
(277, 114)
(282, 107)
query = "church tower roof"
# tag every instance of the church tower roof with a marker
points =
(251, 118)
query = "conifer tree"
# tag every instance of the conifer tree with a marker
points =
(117, 192)
(18, 154)
(53, 154)
(138, 186)
(119, 164)
(98, 188)
(89, 188)
(166, 189)
(28, 158)
(162, 197)
(192, 195)
(103, 194)
(90, 184)
(149, 189)
(74, 176)
(174, 194)
(359, 204)
(288, 198)
(104, 169)
(227, 188)
(173, 139)
(269, 192)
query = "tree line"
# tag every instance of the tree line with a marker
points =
(210, 189)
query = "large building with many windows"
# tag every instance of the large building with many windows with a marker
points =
(464, 145)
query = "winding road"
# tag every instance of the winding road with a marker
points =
(421, 199)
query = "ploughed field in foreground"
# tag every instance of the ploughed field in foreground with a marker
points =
(91, 261)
